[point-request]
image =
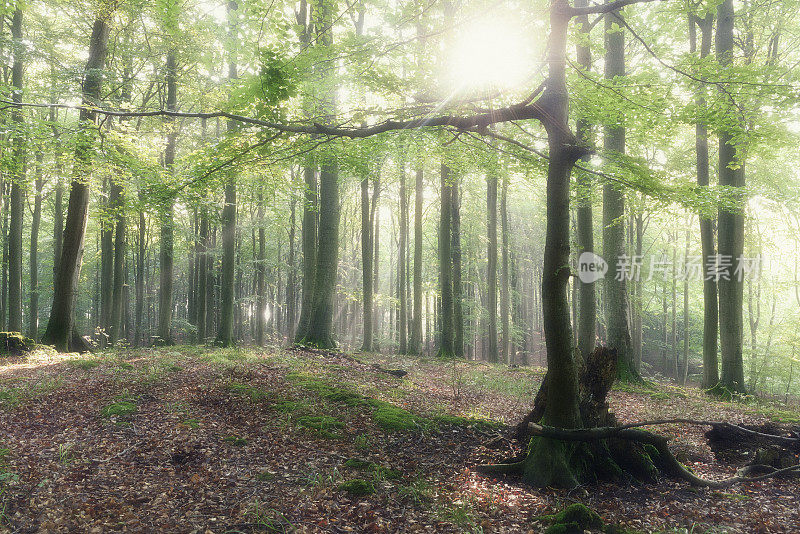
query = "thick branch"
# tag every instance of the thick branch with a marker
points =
(479, 121)
(605, 8)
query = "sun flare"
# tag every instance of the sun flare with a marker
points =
(490, 54)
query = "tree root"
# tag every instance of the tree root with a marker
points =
(670, 464)
(500, 469)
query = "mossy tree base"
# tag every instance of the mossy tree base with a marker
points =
(563, 464)
(15, 344)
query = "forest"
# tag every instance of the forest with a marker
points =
(399, 266)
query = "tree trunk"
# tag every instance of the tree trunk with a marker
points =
(202, 278)
(309, 245)
(366, 264)
(685, 371)
(261, 309)
(458, 312)
(415, 345)
(402, 274)
(710, 305)
(445, 349)
(106, 266)
(291, 282)
(33, 309)
(491, 266)
(117, 202)
(504, 317)
(587, 305)
(225, 335)
(17, 200)
(616, 293)
(60, 325)
(140, 262)
(731, 225)
(166, 243)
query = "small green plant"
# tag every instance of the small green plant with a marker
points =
(380, 473)
(357, 487)
(268, 519)
(66, 453)
(236, 441)
(419, 491)
(192, 423)
(120, 409)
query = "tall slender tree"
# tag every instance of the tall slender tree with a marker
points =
(60, 327)
(17, 197)
(731, 224)
(225, 335)
(615, 290)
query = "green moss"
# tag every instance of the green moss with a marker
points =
(574, 518)
(470, 422)
(391, 418)
(564, 528)
(119, 408)
(288, 406)
(357, 487)
(15, 344)
(319, 422)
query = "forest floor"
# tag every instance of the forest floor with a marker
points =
(193, 439)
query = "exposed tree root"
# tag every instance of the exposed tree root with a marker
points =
(668, 461)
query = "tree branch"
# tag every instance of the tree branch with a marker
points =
(479, 121)
(605, 8)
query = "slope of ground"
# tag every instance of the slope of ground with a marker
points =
(189, 439)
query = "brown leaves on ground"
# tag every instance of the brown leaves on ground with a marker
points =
(200, 440)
